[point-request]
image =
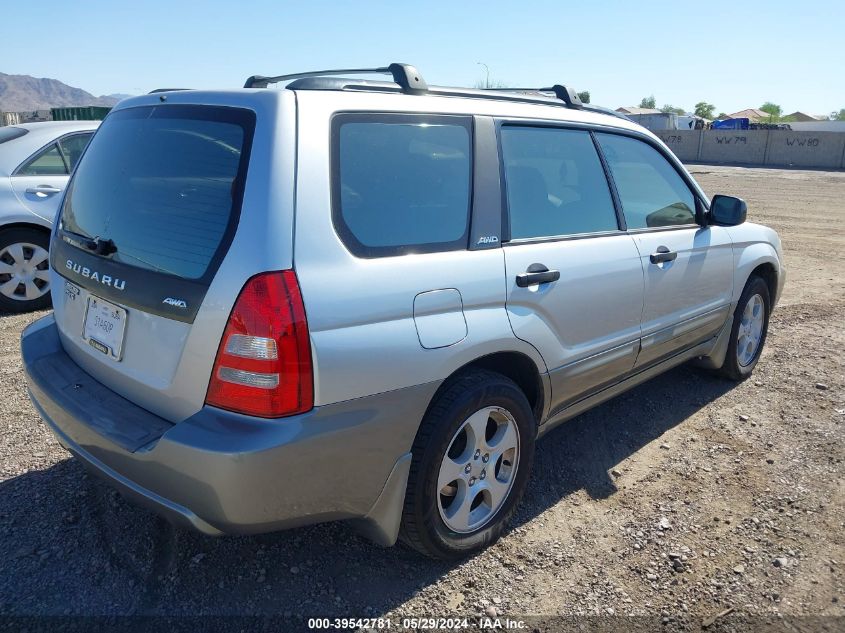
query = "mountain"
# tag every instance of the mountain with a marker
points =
(20, 93)
(120, 96)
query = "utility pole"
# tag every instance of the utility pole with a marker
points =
(487, 70)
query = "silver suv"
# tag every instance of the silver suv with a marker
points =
(365, 300)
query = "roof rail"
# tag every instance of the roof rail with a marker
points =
(407, 76)
(567, 95)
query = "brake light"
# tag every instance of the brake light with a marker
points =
(263, 365)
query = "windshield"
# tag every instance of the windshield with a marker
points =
(162, 186)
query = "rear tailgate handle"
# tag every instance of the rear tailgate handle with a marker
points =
(663, 254)
(540, 275)
(44, 190)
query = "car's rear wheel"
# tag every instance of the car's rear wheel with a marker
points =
(471, 461)
(748, 333)
(24, 270)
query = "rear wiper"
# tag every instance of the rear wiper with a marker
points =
(104, 247)
(97, 245)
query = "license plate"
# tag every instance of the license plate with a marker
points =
(104, 327)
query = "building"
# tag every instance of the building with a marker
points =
(34, 116)
(79, 113)
(30, 116)
(818, 126)
(10, 118)
(802, 116)
(656, 120)
(633, 110)
(71, 113)
(752, 114)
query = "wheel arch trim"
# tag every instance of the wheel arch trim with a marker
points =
(753, 258)
(31, 221)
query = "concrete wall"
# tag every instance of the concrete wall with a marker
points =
(775, 148)
(733, 146)
(805, 149)
(684, 143)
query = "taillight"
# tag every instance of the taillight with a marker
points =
(263, 364)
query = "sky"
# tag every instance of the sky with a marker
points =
(734, 55)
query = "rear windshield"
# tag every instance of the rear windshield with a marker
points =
(10, 133)
(163, 183)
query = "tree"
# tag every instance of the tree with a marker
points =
(584, 96)
(774, 110)
(705, 110)
(671, 108)
(722, 115)
(648, 102)
(838, 116)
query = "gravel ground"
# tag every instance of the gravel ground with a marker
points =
(680, 500)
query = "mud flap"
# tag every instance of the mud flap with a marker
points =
(381, 523)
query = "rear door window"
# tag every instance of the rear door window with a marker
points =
(555, 182)
(163, 183)
(72, 148)
(402, 183)
(652, 192)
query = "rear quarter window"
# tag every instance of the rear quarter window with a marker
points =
(401, 183)
(48, 162)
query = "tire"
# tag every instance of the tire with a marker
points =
(499, 464)
(19, 248)
(742, 355)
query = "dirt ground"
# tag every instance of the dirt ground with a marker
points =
(680, 500)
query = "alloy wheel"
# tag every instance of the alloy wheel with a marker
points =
(478, 470)
(750, 330)
(24, 271)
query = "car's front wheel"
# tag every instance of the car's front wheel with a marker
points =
(471, 461)
(749, 329)
(24, 270)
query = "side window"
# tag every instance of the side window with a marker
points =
(72, 147)
(555, 183)
(402, 183)
(48, 162)
(652, 193)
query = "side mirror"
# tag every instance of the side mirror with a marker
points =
(727, 210)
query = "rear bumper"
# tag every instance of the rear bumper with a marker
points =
(220, 472)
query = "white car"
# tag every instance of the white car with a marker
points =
(36, 160)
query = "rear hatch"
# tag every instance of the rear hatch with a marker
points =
(148, 218)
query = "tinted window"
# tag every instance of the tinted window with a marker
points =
(403, 184)
(163, 183)
(653, 194)
(48, 162)
(72, 147)
(10, 133)
(555, 183)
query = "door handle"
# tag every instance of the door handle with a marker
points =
(44, 190)
(663, 254)
(537, 274)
